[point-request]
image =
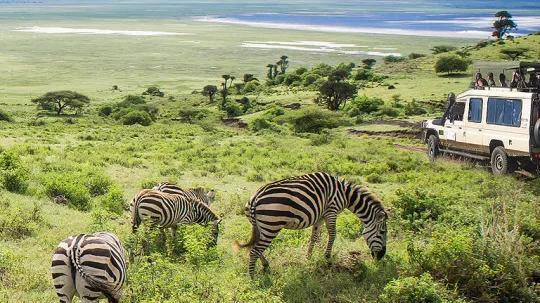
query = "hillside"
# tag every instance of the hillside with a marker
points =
(456, 233)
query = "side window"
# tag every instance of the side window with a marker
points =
(504, 112)
(475, 110)
(458, 110)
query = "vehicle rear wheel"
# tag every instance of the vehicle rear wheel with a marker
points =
(501, 164)
(433, 147)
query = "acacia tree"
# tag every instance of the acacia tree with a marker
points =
(451, 64)
(283, 64)
(210, 91)
(335, 91)
(369, 63)
(58, 101)
(514, 53)
(503, 24)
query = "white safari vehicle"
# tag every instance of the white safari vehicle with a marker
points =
(496, 120)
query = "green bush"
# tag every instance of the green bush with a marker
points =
(310, 79)
(97, 183)
(363, 74)
(439, 49)
(418, 206)
(301, 71)
(421, 289)
(4, 116)
(154, 91)
(259, 124)
(393, 59)
(16, 222)
(131, 100)
(192, 114)
(231, 108)
(137, 117)
(312, 120)
(13, 176)
(413, 56)
(413, 108)
(291, 78)
(113, 201)
(363, 105)
(105, 110)
(322, 70)
(251, 86)
(70, 187)
(389, 111)
(451, 64)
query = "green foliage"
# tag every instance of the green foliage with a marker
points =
(333, 93)
(503, 24)
(136, 117)
(363, 105)
(514, 53)
(421, 289)
(154, 91)
(419, 207)
(439, 49)
(105, 110)
(17, 222)
(322, 70)
(193, 114)
(451, 64)
(311, 120)
(252, 86)
(13, 175)
(291, 79)
(231, 108)
(310, 79)
(413, 108)
(301, 71)
(413, 56)
(71, 188)
(4, 116)
(58, 101)
(393, 59)
(210, 91)
(113, 201)
(369, 63)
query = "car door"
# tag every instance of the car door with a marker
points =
(453, 127)
(474, 125)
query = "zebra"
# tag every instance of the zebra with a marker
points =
(193, 193)
(92, 265)
(310, 200)
(168, 210)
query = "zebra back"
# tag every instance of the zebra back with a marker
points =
(192, 193)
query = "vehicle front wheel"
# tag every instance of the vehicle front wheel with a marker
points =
(501, 164)
(433, 147)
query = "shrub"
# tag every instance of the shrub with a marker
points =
(4, 116)
(363, 105)
(105, 110)
(393, 59)
(191, 114)
(421, 289)
(70, 187)
(97, 183)
(439, 49)
(131, 100)
(451, 64)
(114, 200)
(413, 108)
(259, 124)
(13, 176)
(251, 86)
(300, 71)
(363, 74)
(309, 79)
(311, 120)
(16, 222)
(154, 91)
(322, 70)
(231, 108)
(137, 117)
(291, 78)
(418, 206)
(413, 56)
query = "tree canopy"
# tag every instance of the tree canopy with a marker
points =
(335, 91)
(514, 53)
(58, 101)
(503, 24)
(451, 64)
(210, 91)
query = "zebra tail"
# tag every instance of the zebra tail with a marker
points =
(135, 219)
(101, 285)
(255, 233)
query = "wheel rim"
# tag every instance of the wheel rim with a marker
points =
(431, 149)
(499, 162)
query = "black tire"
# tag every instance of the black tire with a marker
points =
(501, 164)
(536, 133)
(433, 147)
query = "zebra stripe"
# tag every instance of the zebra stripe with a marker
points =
(168, 210)
(90, 265)
(311, 200)
(191, 193)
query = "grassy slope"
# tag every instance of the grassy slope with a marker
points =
(236, 162)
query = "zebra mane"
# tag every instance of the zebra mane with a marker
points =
(203, 209)
(358, 195)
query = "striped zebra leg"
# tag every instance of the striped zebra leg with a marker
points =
(258, 249)
(315, 232)
(331, 226)
(62, 274)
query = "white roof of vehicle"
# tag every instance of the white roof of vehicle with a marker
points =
(495, 92)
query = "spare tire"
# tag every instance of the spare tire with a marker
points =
(536, 133)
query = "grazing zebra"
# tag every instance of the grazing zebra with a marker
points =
(93, 266)
(310, 200)
(168, 210)
(193, 193)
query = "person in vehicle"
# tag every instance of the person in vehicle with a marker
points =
(517, 80)
(502, 79)
(479, 82)
(491, 81)
(533, 80)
